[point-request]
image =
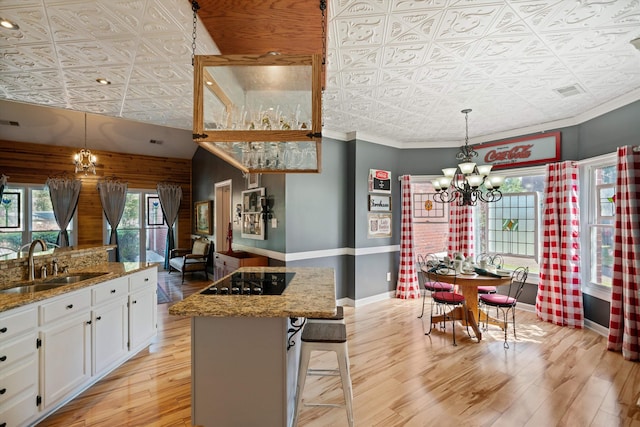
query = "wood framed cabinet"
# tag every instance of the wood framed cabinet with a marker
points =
(228, 262)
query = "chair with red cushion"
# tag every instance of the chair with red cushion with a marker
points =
(506, 303)
(446, 300)
(423, 265)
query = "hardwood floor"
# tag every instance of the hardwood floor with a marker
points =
(550, 376)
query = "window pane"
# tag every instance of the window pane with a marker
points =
(131, 215)
(601, 255)
(129, 243)
(11, 211)
(42, 218)
(10, 245)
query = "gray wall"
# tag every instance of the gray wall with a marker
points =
(328, 211)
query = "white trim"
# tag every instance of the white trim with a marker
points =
(605, 108)
(596, 327)
(324, 253)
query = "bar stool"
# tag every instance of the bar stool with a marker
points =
(337, 318)
(325, 337)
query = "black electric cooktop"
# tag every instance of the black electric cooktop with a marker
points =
(251, 284)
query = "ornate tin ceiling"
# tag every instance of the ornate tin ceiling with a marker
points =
(398, 71)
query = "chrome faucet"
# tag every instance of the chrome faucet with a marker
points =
(32, 247)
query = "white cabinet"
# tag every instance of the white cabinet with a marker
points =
(18, 366)
(143, 308)
(52, 350)
(65, 362)
(109, 324)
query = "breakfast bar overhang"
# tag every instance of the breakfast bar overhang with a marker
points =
(245, 347)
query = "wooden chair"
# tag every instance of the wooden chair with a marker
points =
(190, 260)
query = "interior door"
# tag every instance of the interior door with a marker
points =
(223, 218)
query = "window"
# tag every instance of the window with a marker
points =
(511, 226)
(598, 206)
(26, 214)
(142, 232)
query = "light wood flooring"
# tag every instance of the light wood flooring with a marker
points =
(550, 376)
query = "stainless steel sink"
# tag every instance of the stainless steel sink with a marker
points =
(26, 289)
(73, 278)
(51, 283)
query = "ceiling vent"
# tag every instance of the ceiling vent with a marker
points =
(568, 91)
(155, 141)
(9, 123)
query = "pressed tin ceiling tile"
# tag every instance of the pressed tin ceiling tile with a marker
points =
(398, 70)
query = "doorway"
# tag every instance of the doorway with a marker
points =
(223, 216)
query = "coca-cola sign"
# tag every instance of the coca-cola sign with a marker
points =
(525, 151)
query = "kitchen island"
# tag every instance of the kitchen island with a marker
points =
(245, 347)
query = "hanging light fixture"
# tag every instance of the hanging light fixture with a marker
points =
(464, 183)
(84, 160)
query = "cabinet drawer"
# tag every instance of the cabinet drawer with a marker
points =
(14, 381)
(73, 303)
(143, 279)
(13, 324)
(17, 350)
(111, 290)
(16, 412)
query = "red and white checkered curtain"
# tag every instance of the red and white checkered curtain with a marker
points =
(624, 321)
(460, 230)
(559, 297)
(408, 285)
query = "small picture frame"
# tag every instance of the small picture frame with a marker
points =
(202, 215)
(379, 203)
(253, 180)
(252, 225)
(378, 225)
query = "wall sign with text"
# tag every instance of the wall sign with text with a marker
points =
(379, 203)
(525, 151)
(379, 181)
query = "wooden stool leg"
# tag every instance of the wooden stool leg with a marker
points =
(305, 354)
(345, 376)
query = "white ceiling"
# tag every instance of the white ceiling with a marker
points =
(398, 71)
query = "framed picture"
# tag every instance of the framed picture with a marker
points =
(378, 225)
(253, 180)
(203, 212)
(154, 211)
(379, 181)
(379, 203)
(10, 210)
(524, 151)
(251, 224)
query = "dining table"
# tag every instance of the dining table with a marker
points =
(467, 284)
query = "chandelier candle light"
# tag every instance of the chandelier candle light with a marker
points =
(84, 160)
(463, 184)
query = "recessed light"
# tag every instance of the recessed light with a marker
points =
(209, 83)
(5, 23)
(103, 81)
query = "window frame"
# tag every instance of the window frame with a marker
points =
(27, 214)
(589, 205)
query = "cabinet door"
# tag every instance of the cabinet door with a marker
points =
(142, 318)
(110, 332)
(65, 362)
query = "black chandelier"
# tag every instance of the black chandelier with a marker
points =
(467, 183)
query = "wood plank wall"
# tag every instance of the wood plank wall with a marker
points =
(26, 163)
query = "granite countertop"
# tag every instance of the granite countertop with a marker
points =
(311, 293)
(113, 270)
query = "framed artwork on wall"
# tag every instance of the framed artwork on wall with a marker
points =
(203, 212)
(378, 225)
(252, 226)
(253, 180)
(378, 203)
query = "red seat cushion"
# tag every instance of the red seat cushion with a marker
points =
(447, 298)
(438, 287)
(487, 289)
(498, 300)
